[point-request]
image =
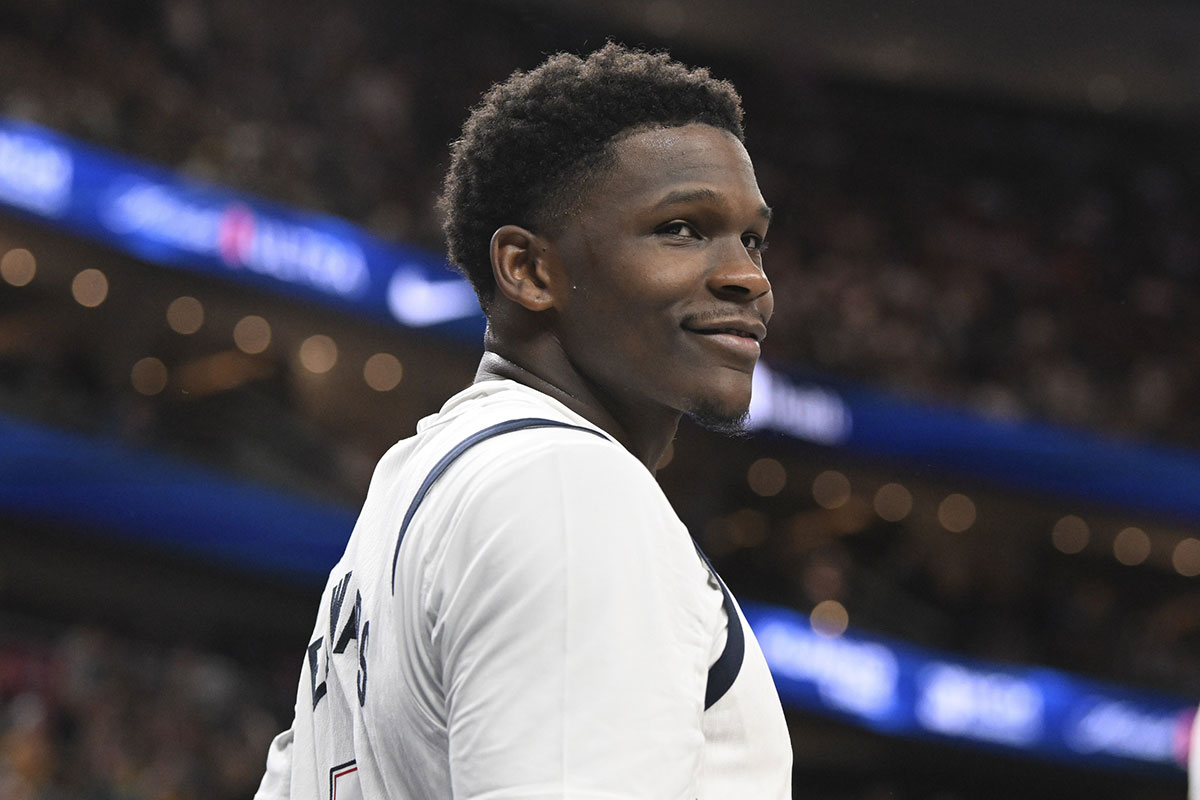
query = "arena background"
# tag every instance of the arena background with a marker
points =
(967, 526)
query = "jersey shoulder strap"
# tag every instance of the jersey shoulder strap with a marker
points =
(507, 426)
(724, 670)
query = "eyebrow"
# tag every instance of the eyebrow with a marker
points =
(681, 196)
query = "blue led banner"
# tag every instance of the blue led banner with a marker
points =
(163, 218)
(117, 491)
(1043, 459)
(899, 689)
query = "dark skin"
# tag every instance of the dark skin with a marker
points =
(648, 301)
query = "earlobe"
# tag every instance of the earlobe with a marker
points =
(520, 267)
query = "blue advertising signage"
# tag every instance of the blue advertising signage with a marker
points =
(900, 689)
(161, 217)
(1036, 457)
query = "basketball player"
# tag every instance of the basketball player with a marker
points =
(519, 613)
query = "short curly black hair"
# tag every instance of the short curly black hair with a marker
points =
(530, 146)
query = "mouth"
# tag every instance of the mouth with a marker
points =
(737, 338)
(742, 329)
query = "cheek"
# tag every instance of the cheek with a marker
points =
(655, 282)
(630, 298)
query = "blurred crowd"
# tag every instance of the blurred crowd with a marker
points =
(1024, 263)
(89, 715)
(1019, 264)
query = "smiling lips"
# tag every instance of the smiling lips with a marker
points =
(739, 336)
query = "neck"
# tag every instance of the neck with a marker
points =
(646, 435)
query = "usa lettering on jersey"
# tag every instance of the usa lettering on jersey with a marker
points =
(355, 629)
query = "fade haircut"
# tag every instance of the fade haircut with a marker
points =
(531, 146)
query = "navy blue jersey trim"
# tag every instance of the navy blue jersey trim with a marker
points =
(725, 669)
(441, 466)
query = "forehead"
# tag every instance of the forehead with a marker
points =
(650, 162)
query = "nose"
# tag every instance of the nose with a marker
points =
(738, 276)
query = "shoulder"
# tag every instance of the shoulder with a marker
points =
(500, 422)
(558, 500)
(557, 468)
(487, 430)
(572, 531)
(535, 501)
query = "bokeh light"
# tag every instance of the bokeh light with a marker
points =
(766, 477)
(1186, 557)
(893, 502)
(956, 512)
(747, 527)
(90, 288)
(829, 618)
(1131, 546)
(318, 353)
(383, 372)
(18, 266)
(1070, 535)
(149, 376)
(185, 315)
(831, 489)
(252, 334)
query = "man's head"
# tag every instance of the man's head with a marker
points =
(609, 217)
(535, 141)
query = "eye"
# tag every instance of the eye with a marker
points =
(754, 242)
(681, 229)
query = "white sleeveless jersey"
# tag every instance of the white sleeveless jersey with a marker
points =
(545, 631)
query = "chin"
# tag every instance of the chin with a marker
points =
(721, 414)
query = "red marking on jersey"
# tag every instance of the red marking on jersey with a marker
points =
(341, 774)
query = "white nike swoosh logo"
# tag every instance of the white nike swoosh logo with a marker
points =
(419, 302)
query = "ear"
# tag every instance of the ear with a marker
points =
(521, 267)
